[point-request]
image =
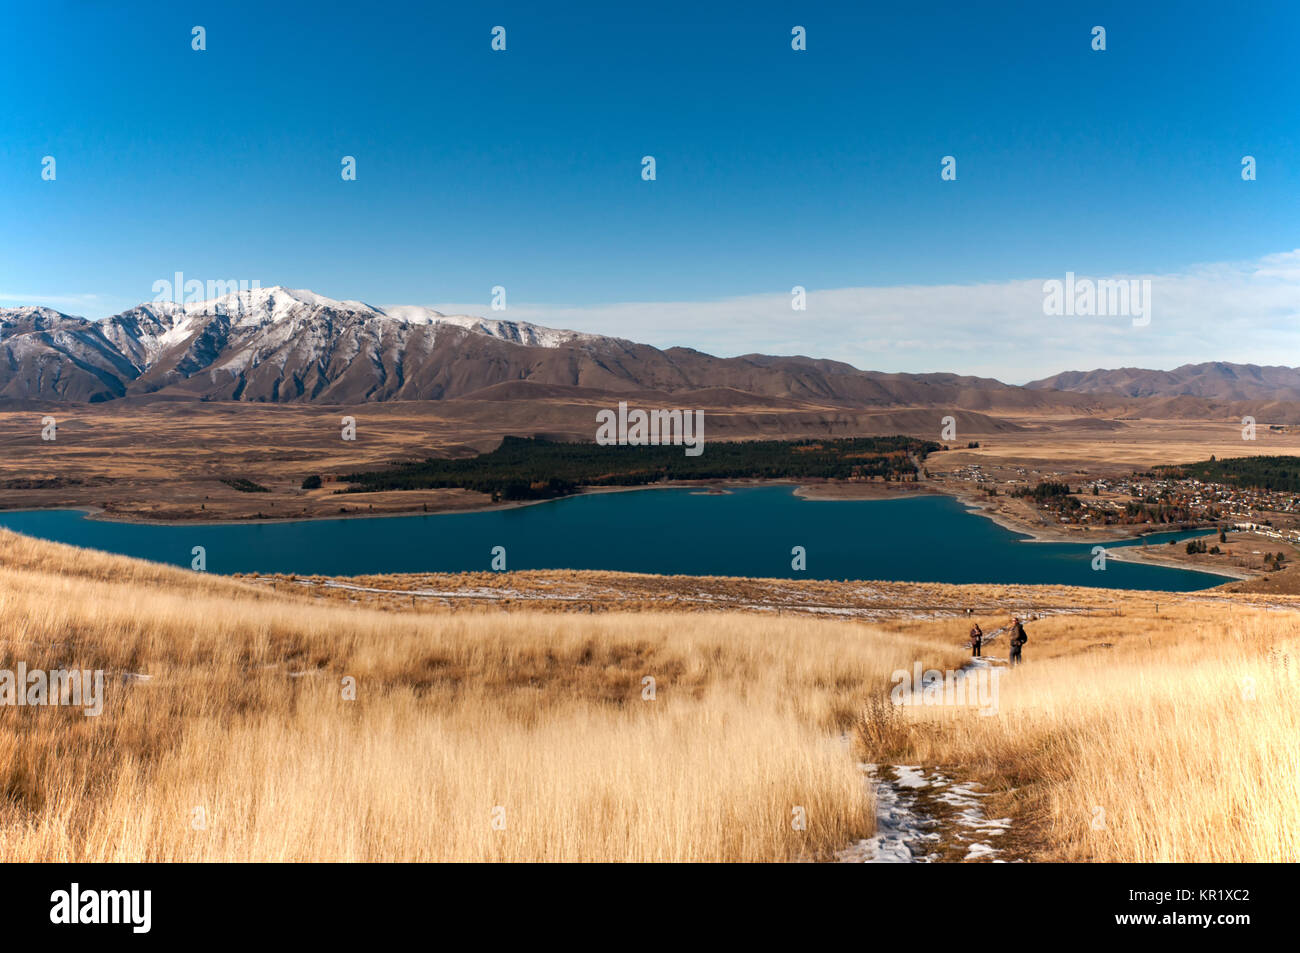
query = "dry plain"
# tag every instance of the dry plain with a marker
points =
(166, 460)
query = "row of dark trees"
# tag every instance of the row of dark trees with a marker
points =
(1047, 490)
(529, 468)
(1280, 474)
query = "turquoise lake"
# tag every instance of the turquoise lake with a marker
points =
(747, 532)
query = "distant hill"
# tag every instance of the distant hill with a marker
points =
(1215, 380)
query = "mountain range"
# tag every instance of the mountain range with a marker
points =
(283, 346)
(279, 345)
(1214, 380)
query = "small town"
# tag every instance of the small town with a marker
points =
(1142, 499)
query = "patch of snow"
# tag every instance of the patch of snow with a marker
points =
(900, 830)
(910, 776)
(905, 835)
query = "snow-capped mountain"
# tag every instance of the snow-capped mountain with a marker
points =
(49, 355)
(273, 344)
(280, 345)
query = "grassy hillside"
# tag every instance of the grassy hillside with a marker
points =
(456, 714)
(453, 717)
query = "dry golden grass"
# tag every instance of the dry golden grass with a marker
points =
(563, 590)
(1144, 737)
(1148, 716)
(1136, 445)
(454, 716)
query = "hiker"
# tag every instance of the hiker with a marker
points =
(1018, 639)
(976, 640)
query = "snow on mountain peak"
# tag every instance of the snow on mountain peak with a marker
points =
(258, 307)
(411, 313)
(239, 330)
(276, 303)
(517, 332)
(30, 311)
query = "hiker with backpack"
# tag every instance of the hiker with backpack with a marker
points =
(1018, 639)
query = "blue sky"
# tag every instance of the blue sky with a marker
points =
(775, 168)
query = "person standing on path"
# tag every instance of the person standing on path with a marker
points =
(1018, 639)
(976, 640)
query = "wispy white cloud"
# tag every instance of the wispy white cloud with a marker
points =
(1247, 312)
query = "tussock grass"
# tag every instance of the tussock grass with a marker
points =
(1170, 737)
(455, 715)
(1181, 725)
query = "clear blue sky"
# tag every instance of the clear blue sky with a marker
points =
(522, 168)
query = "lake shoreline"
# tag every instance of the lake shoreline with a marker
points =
(100, 515)
(812, 492)
(806, 492)
(896, 538)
